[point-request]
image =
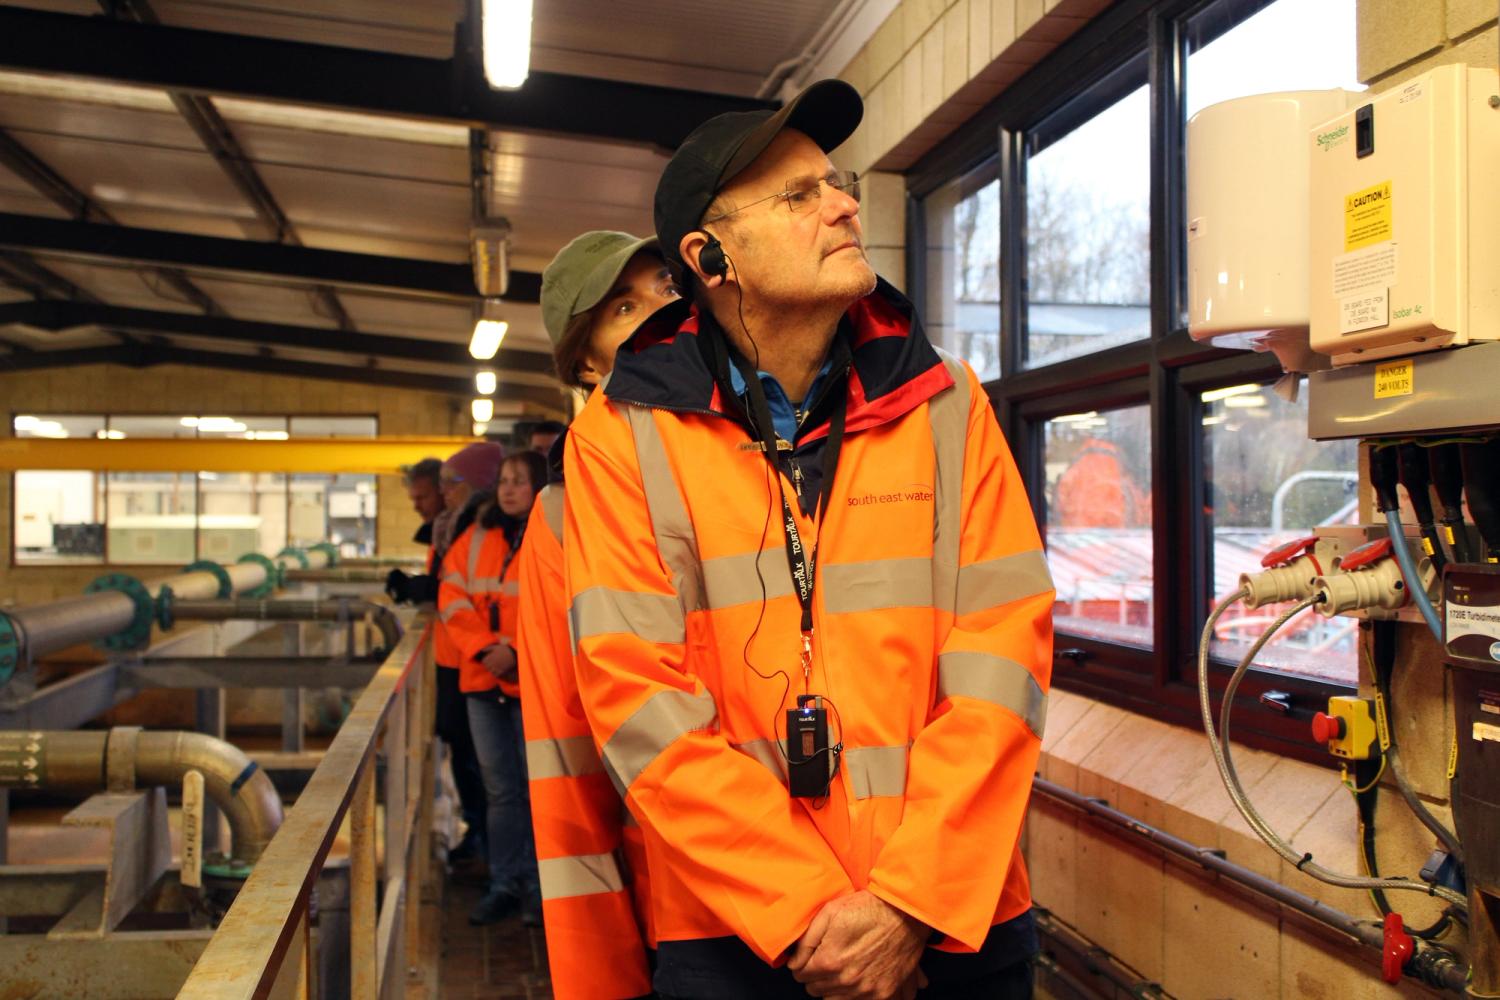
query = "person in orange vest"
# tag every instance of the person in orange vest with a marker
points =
(811, 610)
(1097, 490)
(477, 601)
(595, 293)
(447, 496)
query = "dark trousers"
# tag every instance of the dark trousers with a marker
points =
(726, 969)
(1014, 982)
(498, 740)
(452, 728)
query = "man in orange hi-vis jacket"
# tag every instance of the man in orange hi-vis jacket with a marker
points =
(595, 293)
(812, 613)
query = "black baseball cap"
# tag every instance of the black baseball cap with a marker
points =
(827, 112)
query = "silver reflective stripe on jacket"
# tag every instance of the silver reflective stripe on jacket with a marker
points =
(986, 677)
(551, 499)
(579, 875)
(570, 757)
(666, 717)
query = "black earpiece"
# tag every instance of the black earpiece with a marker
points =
(711, 258)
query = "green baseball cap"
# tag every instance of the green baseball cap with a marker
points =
(582, 273)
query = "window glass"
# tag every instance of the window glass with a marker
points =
(963, 269)
(152, 517)
(58, 516)
(250, 428)
(151, 427)
(241, 512)
(52, 425)
(1313, 41)
(1268, 485)
(333, 427)
(1098, 522)
(338, 509)
(1088, 235)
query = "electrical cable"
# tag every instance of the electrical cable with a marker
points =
(1445, 469)
(1380, 668)
(1410, 575)
(836, 745)
(1219, 743)
(1412, 462)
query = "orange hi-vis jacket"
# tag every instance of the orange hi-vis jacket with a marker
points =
(478, 600)
(932, 641)
(594, 906)
(444, 649)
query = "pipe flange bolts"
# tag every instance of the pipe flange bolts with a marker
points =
(273, 574)
(328, 549)
(164, 617)
(226, 585)
(137, 634)
(297, 554)
(231, 869)
(10, 648)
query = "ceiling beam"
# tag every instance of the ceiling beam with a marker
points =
(382, 83)
(404, 276)
(51, 315)
(118, 354)
(395, 378)
(56, 189)
(150, 355)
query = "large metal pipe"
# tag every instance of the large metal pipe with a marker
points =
(1429, 963)
(296, 609)
(47, 628)
(126, 758)
(346, 574)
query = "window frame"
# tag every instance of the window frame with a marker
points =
(102, 485)
(1167, 370)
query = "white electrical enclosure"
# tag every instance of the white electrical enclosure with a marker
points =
(1404, 209)
(1247, 239)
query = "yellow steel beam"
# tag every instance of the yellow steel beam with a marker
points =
(383, 455)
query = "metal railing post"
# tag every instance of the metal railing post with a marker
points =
(363, 972)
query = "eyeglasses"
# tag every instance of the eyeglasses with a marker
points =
(802, 193)
(447, 481)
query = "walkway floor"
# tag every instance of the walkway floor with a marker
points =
(504, 960)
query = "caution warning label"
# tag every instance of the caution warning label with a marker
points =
(1367, 216)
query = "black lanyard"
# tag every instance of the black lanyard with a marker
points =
(504, 566)
(800, 561)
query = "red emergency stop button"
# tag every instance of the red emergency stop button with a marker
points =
(1398, 949)
(1327, 728)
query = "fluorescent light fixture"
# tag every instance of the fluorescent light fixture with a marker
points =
(1076, 418)
(505, 41)
(48, 429)
(1254, 402)
(482, 410)
(485, 382)
(26, 422)
(110, 435)
(1216, 419)
(220, 425)
(489, 330)
(265, 435)
(189, 421)
(480, 430)
(1214, 395)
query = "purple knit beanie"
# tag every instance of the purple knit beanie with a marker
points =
(477, 464)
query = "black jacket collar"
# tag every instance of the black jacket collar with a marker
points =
(669, 363)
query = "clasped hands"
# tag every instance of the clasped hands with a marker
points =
(500, 660)
(859, 947)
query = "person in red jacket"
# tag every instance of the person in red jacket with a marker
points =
(595, 293)
(477, 601)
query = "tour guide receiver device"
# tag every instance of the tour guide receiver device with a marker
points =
(810, 761)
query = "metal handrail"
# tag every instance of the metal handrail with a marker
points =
(263, 946)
